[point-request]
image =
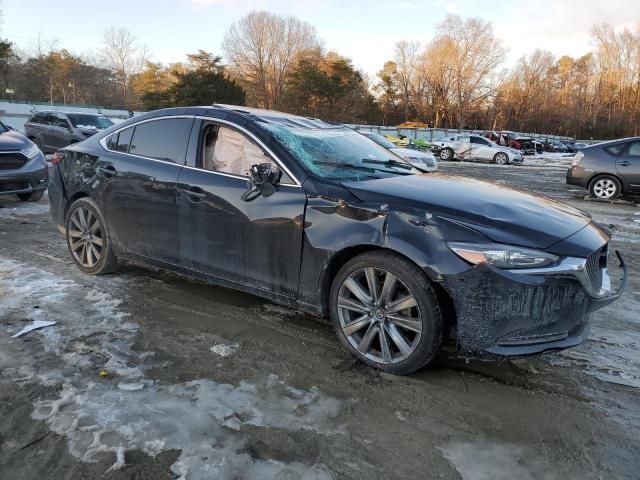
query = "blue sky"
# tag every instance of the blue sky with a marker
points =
(362, 30)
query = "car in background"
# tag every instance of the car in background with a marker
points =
(418, 158)
(475, 148)
(315, 216)
(52, 130)
(23, 169)
(607, 169)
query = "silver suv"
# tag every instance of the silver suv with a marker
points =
(52, 130)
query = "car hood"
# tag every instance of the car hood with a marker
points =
(501, 213)
(13, 140)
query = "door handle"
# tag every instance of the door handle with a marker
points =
(624, 164)
(106, 170)
(194, 194)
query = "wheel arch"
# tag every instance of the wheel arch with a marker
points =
(341, 257)
(73, 198)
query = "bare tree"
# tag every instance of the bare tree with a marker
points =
(406, 58)
(261, 47)
(124, 56)
(476, 56)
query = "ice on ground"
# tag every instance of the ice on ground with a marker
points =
(612, 352)
(224, 350)
(204, 419)
(17, 210)
(485, 460)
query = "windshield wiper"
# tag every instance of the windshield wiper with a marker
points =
(346, 165)
(390, 162)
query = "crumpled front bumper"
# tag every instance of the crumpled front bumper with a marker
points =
(521, 312)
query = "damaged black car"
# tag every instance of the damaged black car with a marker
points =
(317, 217)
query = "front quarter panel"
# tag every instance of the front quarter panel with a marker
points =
(333, 227)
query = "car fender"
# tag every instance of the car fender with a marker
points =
(335, 231)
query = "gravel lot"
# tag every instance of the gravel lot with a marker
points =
(149, 376)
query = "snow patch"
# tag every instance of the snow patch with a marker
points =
(204, 419)
(17, 210)
(484, 460)
(224, 350)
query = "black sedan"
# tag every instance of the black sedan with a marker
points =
(23, 169)
(608, 169)
(320, 218)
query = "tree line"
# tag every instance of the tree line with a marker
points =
(456, 80)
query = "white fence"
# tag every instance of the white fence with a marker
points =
(434, 134)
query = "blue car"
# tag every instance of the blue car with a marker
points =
(23, 169)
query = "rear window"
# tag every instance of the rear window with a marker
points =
(162, 139)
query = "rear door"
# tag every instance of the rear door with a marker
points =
(59, 131)
(255, 242)
(462, 147)
(137, 185)
(628, 166)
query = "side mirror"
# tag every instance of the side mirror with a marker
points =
(264, 181)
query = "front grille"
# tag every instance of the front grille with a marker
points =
(12, 186)
(12, 160)
(595, 263)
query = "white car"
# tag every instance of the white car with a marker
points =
(475, 147)
(422, 160)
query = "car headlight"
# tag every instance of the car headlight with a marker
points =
(502, 256)
(576, 160)
(31, 151)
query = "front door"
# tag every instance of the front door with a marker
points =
(255, 241)
(462, 147)
(628, 165)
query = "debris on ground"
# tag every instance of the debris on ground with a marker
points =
(35, 325)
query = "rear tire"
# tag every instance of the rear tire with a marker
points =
(446, 154)
(87, 238)
(605, 187)
(393, 320)
(31, 196)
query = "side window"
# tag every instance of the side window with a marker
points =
(119, 142)
(164, 139)
(49, 119)
(463, 139)
(478, 141)
(37, 118)
(226, 150)
(60, 121)
(615, 149)
(634, 149)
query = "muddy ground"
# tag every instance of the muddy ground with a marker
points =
(149, 376)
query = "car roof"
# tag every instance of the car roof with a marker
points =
(69, 113)
(613, 142)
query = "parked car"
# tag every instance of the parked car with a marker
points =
(608, 169)
(318, 217)
(475, 147)
(51, 130)
(422, 160)
(23, 169)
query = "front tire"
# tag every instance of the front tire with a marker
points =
(31, 196)
(385, 312)
(446, 154)
(605, 187)
(87, 238)
(501, 158)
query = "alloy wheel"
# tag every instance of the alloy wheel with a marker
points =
(605, 188)
(85, 237)
(445, 154)
(501, 159)
(379, 315)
